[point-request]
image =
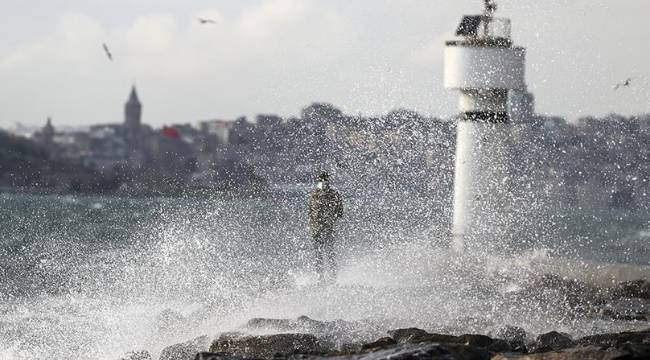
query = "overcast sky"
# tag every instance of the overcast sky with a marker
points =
(277, 56)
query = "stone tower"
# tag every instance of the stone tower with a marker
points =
(47, 133)
(132, 121)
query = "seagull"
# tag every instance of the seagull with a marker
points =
(625, 83)
(108, 52)
(206, 21)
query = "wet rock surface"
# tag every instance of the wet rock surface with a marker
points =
(550, 341)
(137, 355)
(269, 346)
(398, 352)
(186, 350)
(515, 337)
(414, 343)
(309, 339)
(617, 339)
(355, 331)
(416, 336)
(406, 335)
(581, 353)
(382, 343)
(217, 356)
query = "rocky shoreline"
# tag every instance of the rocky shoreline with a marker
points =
(308, 339)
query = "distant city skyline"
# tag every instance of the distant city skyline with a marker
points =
(277, 56)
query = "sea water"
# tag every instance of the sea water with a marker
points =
(86, 277)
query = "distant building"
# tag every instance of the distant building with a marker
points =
(269, 121)
(45, 136)
(219, 128)
(133, 129)
(521, 106)
(241, 133)
(216, 135)
(48, 133)
(107, 147)
(73, 146)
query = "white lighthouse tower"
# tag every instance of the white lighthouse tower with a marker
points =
(483, 65)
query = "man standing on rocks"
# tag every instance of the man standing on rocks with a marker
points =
(324, 208)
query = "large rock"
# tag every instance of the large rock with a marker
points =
(579, 353)
(217, 356)
(637, 351)
(186, 350)
(475, 340)
(406, 335)
(511, 333)
(268, 346)
(516, 337)
(137, 355)
(397, 352)
(382, 343)
(416, 336)
(337, 331)
(551, 341)
(350, 349)
(463, 352)
(303, 324)
(406, 352)
(616, 339)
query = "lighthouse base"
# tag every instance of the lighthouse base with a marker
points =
(481, 181)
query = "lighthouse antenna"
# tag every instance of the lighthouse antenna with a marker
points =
(488, 15)
(490, 8)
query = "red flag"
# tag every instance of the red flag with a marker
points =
(171, 132)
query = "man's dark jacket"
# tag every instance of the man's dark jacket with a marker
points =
(324, 208)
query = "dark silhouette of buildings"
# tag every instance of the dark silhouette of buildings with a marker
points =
(595, 162)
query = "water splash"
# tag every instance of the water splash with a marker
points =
(96, 285)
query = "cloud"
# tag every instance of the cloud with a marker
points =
(279, 55)
(152, 34)
(431, 52)
(209, 70)
(73, 36)
(52, 74)
(269, 17)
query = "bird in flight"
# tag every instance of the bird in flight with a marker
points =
(625, 83)
(108, 52)
(206, 21)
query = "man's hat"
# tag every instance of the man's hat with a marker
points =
(323, 176)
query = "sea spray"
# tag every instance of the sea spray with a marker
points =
(89, 282)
